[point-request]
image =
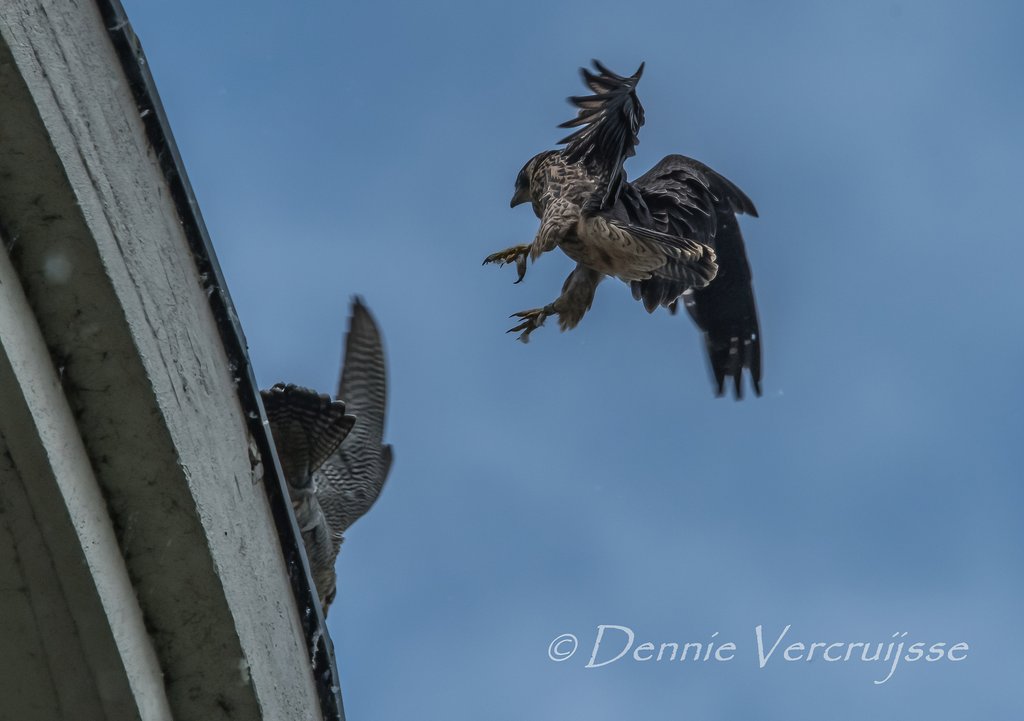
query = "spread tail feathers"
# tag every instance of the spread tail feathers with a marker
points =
(307, 427)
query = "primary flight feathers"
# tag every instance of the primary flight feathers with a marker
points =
(611, 120)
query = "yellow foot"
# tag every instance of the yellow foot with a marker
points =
(532, 320)
(516, 254)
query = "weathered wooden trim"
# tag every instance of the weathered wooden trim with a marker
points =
(70, 574)
(110, 250)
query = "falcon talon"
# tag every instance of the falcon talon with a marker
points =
(520, 268)
(532, 320)
(516, 254)
(526, 329)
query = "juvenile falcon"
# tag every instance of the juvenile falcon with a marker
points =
(670, 234)
(331, 452)
(352, 478)
(307, 428)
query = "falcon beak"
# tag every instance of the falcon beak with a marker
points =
(521, 196)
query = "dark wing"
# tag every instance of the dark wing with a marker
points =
(351, 480)
(307, 428)
(611, 119)
(684, 197)
(363, 384)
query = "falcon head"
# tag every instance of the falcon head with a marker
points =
(524, 181)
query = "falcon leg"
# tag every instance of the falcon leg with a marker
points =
(516, 254)
(570, 307)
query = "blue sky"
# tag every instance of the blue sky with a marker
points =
(591, 477)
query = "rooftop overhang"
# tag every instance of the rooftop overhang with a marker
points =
(148, 557)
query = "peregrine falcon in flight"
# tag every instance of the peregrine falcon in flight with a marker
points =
(331, 452)
(672, 233)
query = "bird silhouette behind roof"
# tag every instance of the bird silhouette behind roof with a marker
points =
(331, 451)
